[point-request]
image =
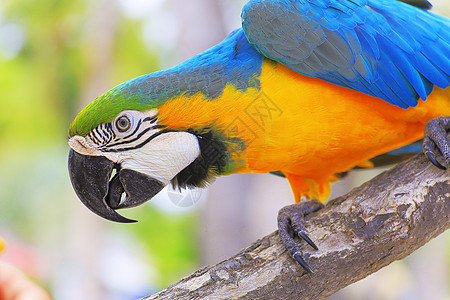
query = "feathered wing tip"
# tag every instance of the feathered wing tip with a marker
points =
(383, 48)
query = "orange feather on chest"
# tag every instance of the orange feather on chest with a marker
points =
(305, 127)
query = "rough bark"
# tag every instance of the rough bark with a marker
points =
(375, 224)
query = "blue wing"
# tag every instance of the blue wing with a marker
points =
(384, 48)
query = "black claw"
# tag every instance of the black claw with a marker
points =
(433, 160)
(436, 143)
(298, 257)
(307, 239)
(290, 224)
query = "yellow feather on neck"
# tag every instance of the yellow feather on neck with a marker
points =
(305, 127)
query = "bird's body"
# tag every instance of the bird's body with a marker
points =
(305, 127)
(276, 119)
(310, 88)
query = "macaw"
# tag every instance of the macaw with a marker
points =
(306, 88)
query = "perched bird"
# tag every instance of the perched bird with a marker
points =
(306, 88)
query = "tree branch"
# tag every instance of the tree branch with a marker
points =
(375, 224)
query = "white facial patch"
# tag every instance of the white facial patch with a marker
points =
(144, 146)
(163, 157)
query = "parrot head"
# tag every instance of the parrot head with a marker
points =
(122, 155)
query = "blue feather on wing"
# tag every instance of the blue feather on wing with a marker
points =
(384, 48)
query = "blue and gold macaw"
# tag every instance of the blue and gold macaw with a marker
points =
(309, 88)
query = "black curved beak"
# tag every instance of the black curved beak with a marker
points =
(90, 177)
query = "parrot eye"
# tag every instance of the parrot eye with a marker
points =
(123, 124)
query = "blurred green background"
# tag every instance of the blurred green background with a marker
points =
(58, 55)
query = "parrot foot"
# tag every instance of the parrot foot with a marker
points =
(290, 224)
(436, 143)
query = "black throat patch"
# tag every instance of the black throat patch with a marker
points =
(212, 161)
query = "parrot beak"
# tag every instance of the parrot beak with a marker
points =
(90, 177)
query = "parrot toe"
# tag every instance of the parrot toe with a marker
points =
(290, 224)
(436, 143)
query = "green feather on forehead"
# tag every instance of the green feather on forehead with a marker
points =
(106, 107)
(234, 61)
